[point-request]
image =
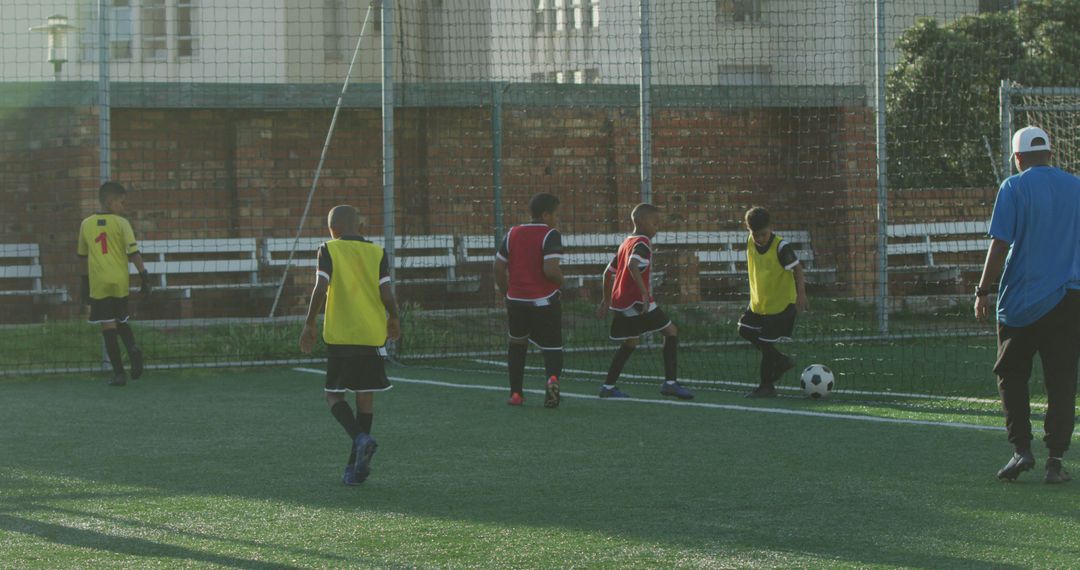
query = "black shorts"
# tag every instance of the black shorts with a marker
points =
(625, 327)
(541, 325)
(109, 310)
(769, 328)
(355, 369)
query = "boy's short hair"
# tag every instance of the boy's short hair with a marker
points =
(344, 218)
(542, 203)
(758, 218)
(109, 190)
(641, 210)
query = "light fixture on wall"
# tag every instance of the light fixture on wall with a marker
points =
(57, 28)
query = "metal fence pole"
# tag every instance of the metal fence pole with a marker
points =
(645, 88)
(103, 94)
(882, 169)
(388, 131)
(1005, 116)
(496, 157)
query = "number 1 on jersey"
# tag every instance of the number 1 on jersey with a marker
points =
(104, 241)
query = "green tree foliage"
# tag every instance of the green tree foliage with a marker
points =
(942, 96)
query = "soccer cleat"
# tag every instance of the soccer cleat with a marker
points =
(350, 478)
(365, 447)
(677, 390)
(136, 364)
(1019, 463)
(119, 380)
(612, 393)
(551, 393)
(761, 392)
(516, 399)
(1055, 472)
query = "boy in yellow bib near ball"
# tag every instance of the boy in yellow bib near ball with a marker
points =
(353, 282)
(777, 293)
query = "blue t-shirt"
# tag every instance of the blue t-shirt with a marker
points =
(1038, 214)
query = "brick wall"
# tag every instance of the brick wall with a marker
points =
(242, 173)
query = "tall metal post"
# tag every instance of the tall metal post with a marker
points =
(645, 89)
(882, 169)
(103, 94)
(1005, 116)
(388, 130)
(496, 157)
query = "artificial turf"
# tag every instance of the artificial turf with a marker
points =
(241, 468)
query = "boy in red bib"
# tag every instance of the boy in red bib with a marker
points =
(627, 294)
(527, 269)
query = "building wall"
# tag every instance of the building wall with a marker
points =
(791, 42)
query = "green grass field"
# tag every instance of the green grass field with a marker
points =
(241, 469)
(944, 354)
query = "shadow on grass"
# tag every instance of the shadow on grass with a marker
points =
(137, 547)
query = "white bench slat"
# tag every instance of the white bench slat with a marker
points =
(922, 248)
(20, 272)
(195, 266)
(19, 250)
(937, 229)
(739, 256)
(184, 246)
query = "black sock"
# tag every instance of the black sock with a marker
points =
(766, 369)
(112, 347)
(553, 360)
(344, 415)
(364, 421)
(671, 358)
(515, 358)
(617, 363)
(128, 336)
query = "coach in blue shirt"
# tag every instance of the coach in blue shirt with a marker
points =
(1036, 236)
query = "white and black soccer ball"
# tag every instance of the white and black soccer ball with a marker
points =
(817, 381)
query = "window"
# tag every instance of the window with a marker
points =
(740, 11)
(995, 5)
(560, 15)
(539, 23)
(121, 30)
(595, 16)
(578, 14)
(153, 31)
(184, 28)
(334, 30)
(744, 75)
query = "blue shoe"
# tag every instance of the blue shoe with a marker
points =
(677, 390)
(365, 447)
(612, 393)
(350, 478)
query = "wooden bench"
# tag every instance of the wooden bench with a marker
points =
(411, 253)
(725, 254)
(181, 266)
(922, 241)
(20, 267)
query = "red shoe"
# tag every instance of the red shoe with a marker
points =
(551, 393)
(516, 399)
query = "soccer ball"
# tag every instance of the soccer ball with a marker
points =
(817, 381)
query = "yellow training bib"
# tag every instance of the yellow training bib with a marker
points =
(355, 314)
(772, 288)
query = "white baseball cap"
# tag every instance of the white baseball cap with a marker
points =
(1022, 140)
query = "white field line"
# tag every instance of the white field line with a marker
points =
(788, 388)
(711, 406)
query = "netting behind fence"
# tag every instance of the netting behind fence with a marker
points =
(219, 110)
